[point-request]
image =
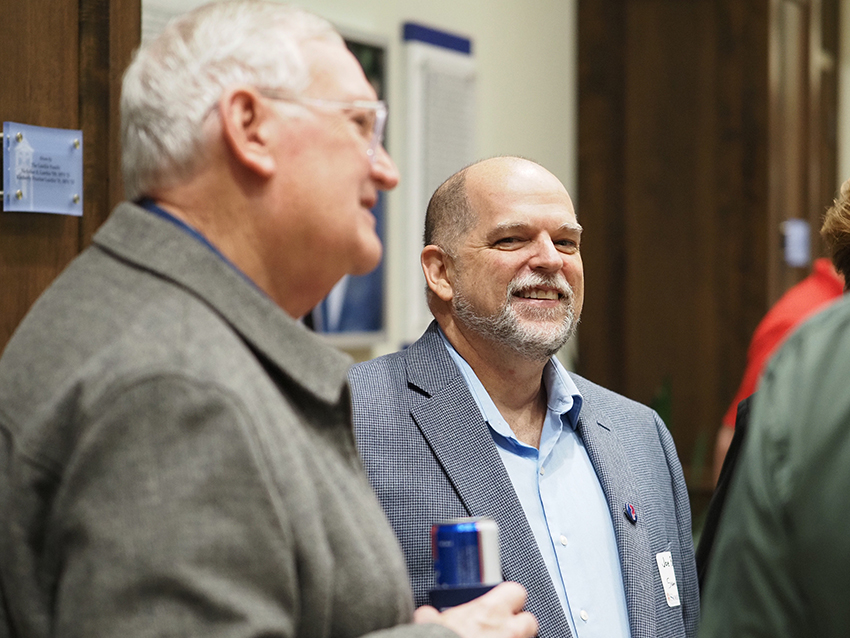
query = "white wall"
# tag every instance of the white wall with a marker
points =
(526, 99)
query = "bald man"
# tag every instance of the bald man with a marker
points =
(478, 418)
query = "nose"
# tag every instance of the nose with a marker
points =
(384, 171)
(546, 256)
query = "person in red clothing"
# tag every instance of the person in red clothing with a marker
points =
(798, 304)
(802, 300)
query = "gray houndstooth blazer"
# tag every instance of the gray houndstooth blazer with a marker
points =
(429, 455)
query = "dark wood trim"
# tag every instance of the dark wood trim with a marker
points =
(40, 87)
(827, 129)
(63, 61)
(700, 130)
(109, 32)
(601, 176)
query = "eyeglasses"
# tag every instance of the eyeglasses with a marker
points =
(370, 117)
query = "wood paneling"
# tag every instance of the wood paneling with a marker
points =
(675, 171)
(790, 137)
(39, 50)
(62, 66)
(109, 32)
(825, 72)
(601, 139)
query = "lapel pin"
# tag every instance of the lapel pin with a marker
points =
(631, 513)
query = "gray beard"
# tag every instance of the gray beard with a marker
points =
(530, 341)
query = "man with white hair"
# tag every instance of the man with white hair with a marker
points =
(176, 453)
(478, 418)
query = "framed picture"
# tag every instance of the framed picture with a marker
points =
(354, 309)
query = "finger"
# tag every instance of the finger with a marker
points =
(426, 614)
(526, 625)
(508, 594)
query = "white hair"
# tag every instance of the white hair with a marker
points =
(174, 82)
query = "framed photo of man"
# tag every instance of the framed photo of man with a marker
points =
(355, 307)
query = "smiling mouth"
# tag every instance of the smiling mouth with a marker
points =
(536, 293)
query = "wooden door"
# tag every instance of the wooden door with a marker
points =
(62, 64)
(683, 158)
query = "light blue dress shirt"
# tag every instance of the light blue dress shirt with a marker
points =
(564, 504)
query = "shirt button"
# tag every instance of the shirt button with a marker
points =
(542, 471)
(563, 540)
(584, 615)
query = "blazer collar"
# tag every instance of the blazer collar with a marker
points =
(429, 366)
(152, 243)
(475, 470)
(613, 469)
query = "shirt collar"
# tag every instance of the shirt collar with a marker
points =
(563, 397)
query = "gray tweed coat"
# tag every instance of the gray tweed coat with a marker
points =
(176, 459)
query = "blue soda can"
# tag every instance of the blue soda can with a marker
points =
(466, 559)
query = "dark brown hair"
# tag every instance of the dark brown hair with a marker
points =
(836, 231)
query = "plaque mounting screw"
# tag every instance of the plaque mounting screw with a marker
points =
(19, 137)
(76, 143)
(76, 199)
(19, 194)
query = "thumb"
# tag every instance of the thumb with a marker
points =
(426, 614)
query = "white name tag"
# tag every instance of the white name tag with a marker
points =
(668, 578)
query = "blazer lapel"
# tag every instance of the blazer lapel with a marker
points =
(612, 467)
(460, 439)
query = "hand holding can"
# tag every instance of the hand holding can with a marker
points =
(496, 614)
(466, 560)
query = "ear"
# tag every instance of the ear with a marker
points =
(248, 126)
(438, 268)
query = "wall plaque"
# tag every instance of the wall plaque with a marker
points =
(42, 169)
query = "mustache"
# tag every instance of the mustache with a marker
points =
(528, 281)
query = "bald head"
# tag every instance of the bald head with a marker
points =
(454, 207)
(502, 259)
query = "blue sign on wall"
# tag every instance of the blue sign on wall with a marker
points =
(42, 169)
